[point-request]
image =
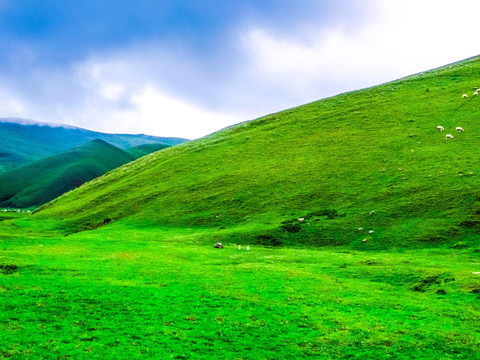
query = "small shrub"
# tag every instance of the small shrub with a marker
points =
(291, 226)
(329, 213)
(268, 240)
(470, 223)
(8, 269)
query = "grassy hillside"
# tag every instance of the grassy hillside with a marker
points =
(24, 141)
(367, 165)
(42, 181)
(145, 149)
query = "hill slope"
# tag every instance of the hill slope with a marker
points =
(24, 141)
(145, 149)
(363, 165)
(43, 180)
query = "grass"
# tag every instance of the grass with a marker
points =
(145, 149)
(125, 293)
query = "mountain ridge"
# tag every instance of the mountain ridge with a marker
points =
(22, 143)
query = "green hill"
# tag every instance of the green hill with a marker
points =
(366, 168)
(145, 149)
(43, 180)
(25, 140)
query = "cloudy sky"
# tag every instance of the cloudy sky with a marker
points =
(187, 68)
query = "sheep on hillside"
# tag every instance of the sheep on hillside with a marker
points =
(448, 136)
(464, 96)
(440, 128)
(459, 129)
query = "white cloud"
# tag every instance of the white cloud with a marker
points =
(122, 94)
(170, 115)
(399, 38)
(12, 105)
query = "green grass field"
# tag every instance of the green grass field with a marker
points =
(156, 293)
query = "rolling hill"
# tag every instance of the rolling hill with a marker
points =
(38, 182)
(145, 149)
(25, 140)
(366, 168)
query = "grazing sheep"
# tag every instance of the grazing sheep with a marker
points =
(248, 247)
(364, 241)
(464, 96)
(239, 247)
(448, 136)
(459, 129)
(440, 128)
(218, 246)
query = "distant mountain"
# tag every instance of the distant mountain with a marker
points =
(145, 149)
(41, 181)
(26, 140)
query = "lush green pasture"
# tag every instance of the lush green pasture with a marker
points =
(124, 293)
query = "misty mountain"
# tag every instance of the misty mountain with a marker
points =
(26, 140)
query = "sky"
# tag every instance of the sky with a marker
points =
(187, 68)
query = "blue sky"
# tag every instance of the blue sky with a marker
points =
(188, 67)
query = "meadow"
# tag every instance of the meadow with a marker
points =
(128, 293)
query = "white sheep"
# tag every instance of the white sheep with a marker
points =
(248, 247)
(239, 247)
(459, 129)
(448, 136)
(464, 96)
(440, 128)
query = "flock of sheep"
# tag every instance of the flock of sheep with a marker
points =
(449, 136)
(220, 246)
(458, 128)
